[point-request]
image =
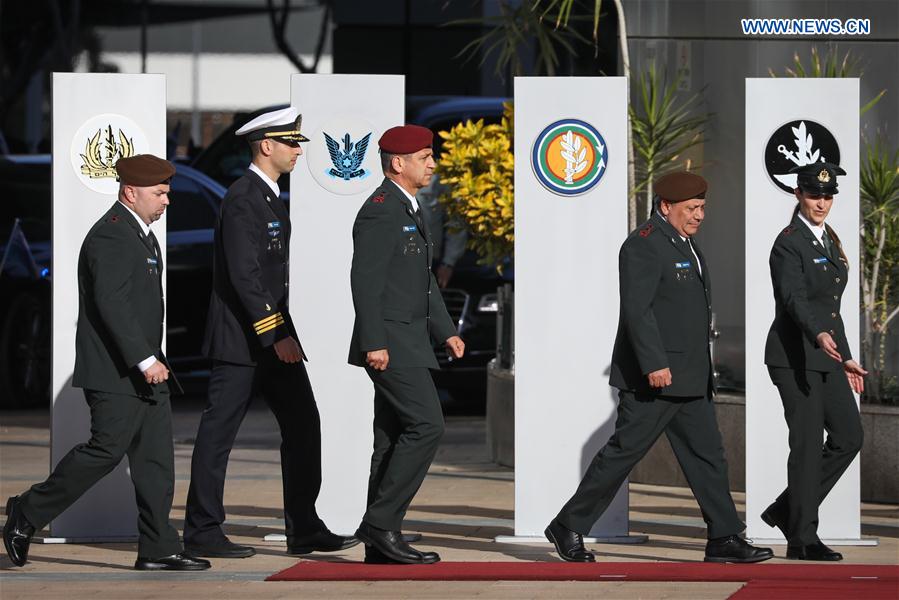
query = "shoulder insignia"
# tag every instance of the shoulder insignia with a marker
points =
(646, 230)
(113, 218)
(379, 198)
(790, 229)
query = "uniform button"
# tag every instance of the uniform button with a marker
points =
(836, 298)
(833, 315)
(429, 292)
(831, 332)
(837, 280)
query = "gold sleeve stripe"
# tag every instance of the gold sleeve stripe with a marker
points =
(267, 320)
(274, 324)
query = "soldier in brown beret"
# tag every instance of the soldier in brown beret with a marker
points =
(663, 370)
(125, 376)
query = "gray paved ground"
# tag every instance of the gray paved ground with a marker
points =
(464, 503)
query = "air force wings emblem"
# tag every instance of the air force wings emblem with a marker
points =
(347, 161)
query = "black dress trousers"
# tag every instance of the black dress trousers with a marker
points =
(692, 430)
(121, 425)
(814, 402)
(286, 389)
(408, 425)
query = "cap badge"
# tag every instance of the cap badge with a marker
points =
(824, 176)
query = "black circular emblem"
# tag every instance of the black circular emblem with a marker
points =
(796, 144)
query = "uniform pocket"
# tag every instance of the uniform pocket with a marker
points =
(396, 314)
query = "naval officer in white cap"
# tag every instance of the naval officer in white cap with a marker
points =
(255, 348)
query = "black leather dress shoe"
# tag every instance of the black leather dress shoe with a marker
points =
(373, 556)
(569, 544)
(223, 549)
(816, 551)
(17, 533)
(411, 538)
(320, 541)
(175, 562)
(391, 546)
(772, 518)
(734, 549)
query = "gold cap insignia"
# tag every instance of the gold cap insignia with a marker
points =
(824, 176)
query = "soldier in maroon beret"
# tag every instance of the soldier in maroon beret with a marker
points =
(399, 312)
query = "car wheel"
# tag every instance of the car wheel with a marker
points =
(25, 354)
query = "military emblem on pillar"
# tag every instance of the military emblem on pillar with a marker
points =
(569, 157)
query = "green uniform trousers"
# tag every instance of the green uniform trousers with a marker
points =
(814, 402)
(692, 430)
(408, 425)
(120, 425)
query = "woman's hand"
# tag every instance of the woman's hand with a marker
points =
(826, 343)
(856, 375)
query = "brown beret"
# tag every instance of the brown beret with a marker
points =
(680, 186)
(406, 139)
(144, 170)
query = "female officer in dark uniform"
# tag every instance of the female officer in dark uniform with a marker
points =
(810, 362)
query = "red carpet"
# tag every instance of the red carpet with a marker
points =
(823, 576)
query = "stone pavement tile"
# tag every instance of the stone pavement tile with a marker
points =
(465, 502)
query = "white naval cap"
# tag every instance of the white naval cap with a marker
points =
(282, 125)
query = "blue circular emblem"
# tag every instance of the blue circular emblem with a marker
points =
(569, 157)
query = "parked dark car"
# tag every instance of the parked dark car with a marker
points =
(25, 194)
(471, 299)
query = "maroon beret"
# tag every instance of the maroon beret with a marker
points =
(406, 139)
(144, 170)
(680, 186)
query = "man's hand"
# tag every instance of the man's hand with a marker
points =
(377, 359)
(443, 273)
(157, 373)
(829, 346)
(855, 373)
(455, 347)
(288, 350)
(660, 378)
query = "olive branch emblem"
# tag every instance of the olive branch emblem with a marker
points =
(573, 155)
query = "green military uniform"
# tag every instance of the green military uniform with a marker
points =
(399, 308)
(664, 321)
(120, 323)
(808, 284)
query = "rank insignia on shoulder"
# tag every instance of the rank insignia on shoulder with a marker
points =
(790, 229)
(379, 199)
(114, 219)
(646, 230)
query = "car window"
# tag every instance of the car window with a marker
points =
(192, 205)
(25, 194)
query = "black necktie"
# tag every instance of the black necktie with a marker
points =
(829, 246)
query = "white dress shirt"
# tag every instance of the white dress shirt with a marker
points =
(272, 184)
(818, 230)
(147, 362)
(408, 195)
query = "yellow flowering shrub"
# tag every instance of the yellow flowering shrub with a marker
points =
(477, 168)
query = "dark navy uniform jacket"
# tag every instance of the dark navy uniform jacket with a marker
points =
(120, 308)
(398, 304)
(665, 313)
(808, 287)
(248, 306)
